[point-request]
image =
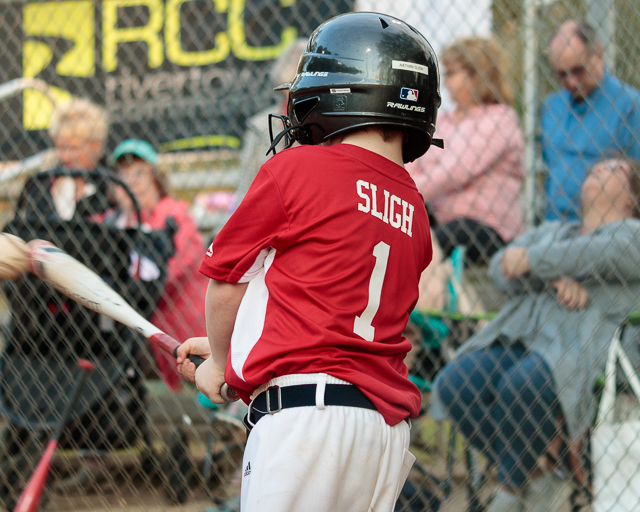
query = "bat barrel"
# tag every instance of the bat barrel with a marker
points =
(84, 286)
(30, 497)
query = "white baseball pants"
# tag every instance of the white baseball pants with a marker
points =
(324, 459)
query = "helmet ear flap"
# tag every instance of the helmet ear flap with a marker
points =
(303, 107)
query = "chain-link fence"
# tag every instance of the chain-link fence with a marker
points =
(531, 201)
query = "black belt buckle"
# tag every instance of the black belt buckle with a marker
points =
(278, 398)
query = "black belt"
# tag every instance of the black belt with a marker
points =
(276, 398)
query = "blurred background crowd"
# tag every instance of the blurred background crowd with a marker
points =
(131, 129)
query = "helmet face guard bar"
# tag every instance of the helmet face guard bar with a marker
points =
(289, 132)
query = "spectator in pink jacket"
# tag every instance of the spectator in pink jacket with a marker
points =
(472, 187)
(180, 311)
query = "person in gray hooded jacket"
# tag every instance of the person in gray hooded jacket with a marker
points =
(533, 368)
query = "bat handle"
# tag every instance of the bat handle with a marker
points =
(228, 394)
(197, 360)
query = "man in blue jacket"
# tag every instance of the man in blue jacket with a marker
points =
(594, 115)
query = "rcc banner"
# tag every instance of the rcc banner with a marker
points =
(188, 72)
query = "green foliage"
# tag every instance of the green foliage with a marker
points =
(627, 41)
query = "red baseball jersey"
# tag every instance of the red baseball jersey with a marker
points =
(332, 241)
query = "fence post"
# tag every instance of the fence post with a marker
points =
(530, 108)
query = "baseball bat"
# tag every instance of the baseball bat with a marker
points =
(29, 165)
(30, 497)
(13, 87)
(83, 285)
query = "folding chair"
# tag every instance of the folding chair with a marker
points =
(623, 407)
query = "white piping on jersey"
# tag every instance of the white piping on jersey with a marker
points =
(256, 267)
(252, 312)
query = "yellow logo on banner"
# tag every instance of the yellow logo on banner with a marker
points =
(74, 21)
(234, 40)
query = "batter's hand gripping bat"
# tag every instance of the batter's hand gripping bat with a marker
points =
(81, 284)
(30, 497)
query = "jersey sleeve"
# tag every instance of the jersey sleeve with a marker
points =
(237, 253)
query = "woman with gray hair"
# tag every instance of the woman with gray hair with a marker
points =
(79, 131)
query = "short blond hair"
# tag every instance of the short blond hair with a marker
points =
(483, 59)
(81, 119)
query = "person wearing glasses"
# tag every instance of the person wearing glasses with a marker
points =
(594, 115)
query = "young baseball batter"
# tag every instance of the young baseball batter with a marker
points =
(314, 276)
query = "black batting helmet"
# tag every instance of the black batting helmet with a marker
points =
(365, 69)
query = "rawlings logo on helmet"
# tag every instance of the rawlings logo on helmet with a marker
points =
(412, 108)
(314, 73)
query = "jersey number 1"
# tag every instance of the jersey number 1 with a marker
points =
(362, 326)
